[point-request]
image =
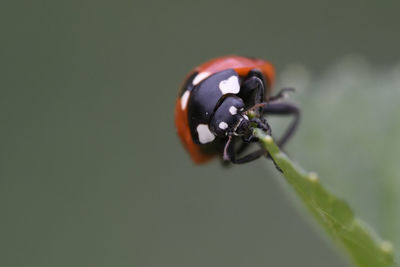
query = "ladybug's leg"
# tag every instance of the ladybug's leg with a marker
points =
(282, 108)
(229, 153)
(242, 147)
(253, 86)
(282, 93)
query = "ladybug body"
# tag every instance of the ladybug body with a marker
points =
(212, 107)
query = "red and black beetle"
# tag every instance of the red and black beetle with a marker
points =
(213, 104)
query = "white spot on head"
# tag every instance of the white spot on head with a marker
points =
(247, 118)
(205, 135)
(230, 85)
(233, 110)
(223, 125)
(201, 76)
(184, 99)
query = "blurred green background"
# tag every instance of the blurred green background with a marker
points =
(92, 173)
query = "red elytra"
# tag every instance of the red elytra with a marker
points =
(242, 65)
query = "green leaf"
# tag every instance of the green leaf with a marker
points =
(362, 244)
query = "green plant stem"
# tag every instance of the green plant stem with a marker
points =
(363, 245)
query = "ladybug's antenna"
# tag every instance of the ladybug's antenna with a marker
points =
(256, 106)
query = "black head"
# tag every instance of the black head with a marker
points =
(229, 118)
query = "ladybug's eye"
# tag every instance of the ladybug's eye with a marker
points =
(243, 127)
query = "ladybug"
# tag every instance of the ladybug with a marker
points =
(214, 104)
